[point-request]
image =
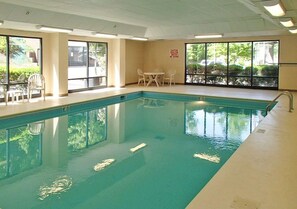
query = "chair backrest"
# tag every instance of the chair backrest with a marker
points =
(36, 80)
(171, 73)
(2, 89)
(21, 78)
(139, 71)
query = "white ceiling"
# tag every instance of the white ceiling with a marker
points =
(154, 19)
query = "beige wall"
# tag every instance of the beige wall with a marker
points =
(57, 69)
(157, 56)
(288, 54)
(134, 59)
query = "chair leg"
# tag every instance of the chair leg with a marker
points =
(29, 95)
(6, 99)
(23, 96)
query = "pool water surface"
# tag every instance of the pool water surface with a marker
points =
(83, 159)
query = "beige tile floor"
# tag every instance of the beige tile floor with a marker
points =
(261, 174)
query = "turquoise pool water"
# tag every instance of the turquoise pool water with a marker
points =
(83, 159)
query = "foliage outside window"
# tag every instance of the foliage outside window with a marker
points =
(243, 64)
(19, 58)
(87, 65)
(216, 63)
(86, 129)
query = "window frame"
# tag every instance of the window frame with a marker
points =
(8, 83)
(251, 76)
(87, 78)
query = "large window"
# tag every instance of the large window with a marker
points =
(87, 65)
(19, 58)
(242, 64)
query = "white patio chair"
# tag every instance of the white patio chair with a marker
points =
(17, 89)
(169, 77)
(3, 92)
(141, 77)
(36, 82)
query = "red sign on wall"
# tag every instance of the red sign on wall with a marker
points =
(174, 53)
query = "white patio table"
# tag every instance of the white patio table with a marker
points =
(154, 77)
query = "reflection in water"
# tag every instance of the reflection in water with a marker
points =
(19, 151)
(21, 146)
(138, 147)
(103, 164)
(151, 103)
(36, 128)
(211, 158)
(86, 128)
(221, 124)
(59, 185)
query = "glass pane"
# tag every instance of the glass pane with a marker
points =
(97, 59)
(240, 55)
(265, 82)
(195, 60)
(77, 84)
(77, 59)
(196, 79)
(216, 80)
(265, 59)
(216, 59)
(3, 59)
(24, 58)
(100, 81)
(240, 81)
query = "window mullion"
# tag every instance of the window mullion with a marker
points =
(7, 62)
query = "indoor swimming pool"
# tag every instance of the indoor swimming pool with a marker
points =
(139, 150)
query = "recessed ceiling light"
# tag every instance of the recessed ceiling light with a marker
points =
(274, 7)
(209, 36)
(105, 35)
(139, 39)
(54, 29)
(293, 30)
(287, 22)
